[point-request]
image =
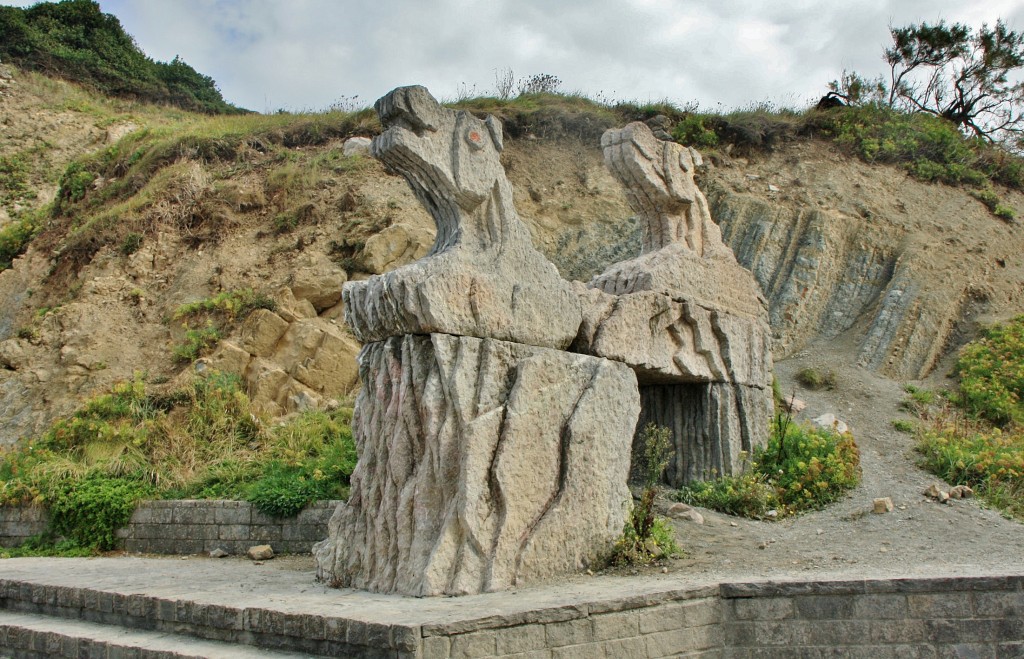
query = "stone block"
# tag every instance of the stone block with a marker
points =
(233, 532)
(622, 624)
(880, 607)
(148, 514)
(763, 608)
(474, 644)
(897, 630)
(626, 648)
(586, 651)
(233, 514)
(940, 605)
(261, 331)
(570, 632)
(522, 638)
(824, 607)
(999, 604)
(436, 647)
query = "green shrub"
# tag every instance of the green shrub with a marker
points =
(812, 378)
(691, 131)
(991, 372)
(197, 342)
(228, 305)
(802, 468)
(284, 490)
(131, 244)
(989, 460)
(902, 425)
(16, 235)
(90, 510)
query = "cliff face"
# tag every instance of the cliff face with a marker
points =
(862, 260)
(901, 270)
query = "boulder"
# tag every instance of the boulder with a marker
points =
(356, 146)
(396, 246)
(484, 464)
(319, 284)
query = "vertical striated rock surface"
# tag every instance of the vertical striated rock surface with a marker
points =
(684, 314)
(483, 464)
(488, 456)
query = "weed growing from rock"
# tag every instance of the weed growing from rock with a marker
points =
(646, 537)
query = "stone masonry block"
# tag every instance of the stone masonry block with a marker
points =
(265, 533)
(523, 638)
(999, 605)
(623, 624)
(833, 633)
(232, 515)
(436, 647)
(763, 608)
(233, 532)
(897, 630)
(669, 643)
(149, 514)
(586, 651)
(677, 615)
(880, 607)
(940, 605)
(824, 607)
(626, 648)
(474, 644)
(570, 632)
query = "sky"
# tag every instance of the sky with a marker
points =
(721, 54)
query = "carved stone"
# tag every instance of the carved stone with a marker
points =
(483, 464)
(483, 276)
(684, 315)
(489, 457)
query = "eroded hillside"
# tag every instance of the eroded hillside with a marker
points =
(172, 209)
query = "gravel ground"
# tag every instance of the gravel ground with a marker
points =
(920, 535)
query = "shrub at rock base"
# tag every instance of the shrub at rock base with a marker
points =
(802, 468)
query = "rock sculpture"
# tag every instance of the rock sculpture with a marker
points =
(483, 277)
(684, 315)
(489, 457)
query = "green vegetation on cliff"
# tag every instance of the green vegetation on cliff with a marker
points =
(73, 39)
(199, 440)
(975, 435)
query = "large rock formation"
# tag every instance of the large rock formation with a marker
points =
(684, 315)
(488, 456)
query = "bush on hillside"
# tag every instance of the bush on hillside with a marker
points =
(73, 39)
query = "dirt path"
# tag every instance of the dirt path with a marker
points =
(847, 538)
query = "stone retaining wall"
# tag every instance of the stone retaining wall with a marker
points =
(954, 617)
(192, 526)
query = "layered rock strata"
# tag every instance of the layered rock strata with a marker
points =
(489, 457)
(684, 314)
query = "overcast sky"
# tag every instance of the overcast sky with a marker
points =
(308, 54)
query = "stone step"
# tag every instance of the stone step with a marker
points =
(33, 635)
(257, 626)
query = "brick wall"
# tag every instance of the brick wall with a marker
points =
(192, 526)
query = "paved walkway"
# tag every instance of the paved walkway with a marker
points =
(287, 585)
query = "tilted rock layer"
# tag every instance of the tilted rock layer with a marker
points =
(483, 464)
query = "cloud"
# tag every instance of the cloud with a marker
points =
(268, 54)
